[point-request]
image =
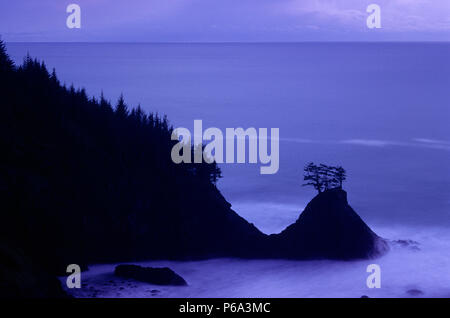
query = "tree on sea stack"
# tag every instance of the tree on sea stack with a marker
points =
(340, 175)
(323, 177)
(313, 177)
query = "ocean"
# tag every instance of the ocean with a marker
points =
(381, 110)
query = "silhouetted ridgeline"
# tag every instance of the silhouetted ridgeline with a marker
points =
(81, 182)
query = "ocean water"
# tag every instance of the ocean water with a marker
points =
(405, 272)
(381, 110)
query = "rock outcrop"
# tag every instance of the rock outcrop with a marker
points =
(328, 228)
(151, 275)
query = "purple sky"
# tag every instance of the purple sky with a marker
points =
(225, 20)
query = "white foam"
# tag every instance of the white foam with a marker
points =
(402, 269)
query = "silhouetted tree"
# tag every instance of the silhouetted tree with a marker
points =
(323, 177)
(313, 177)
(340, 175)
(207, 170)
(104, 104)
(6, 64)
(54, 78)
(121, 108)
(215, 173)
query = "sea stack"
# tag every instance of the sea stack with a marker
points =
(328, 228)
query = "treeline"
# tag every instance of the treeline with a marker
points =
(82, 180)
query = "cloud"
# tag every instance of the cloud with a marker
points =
(379, 143)
(297, 140)
(396, 15)
(415, 142)
(371, 142)
(225, 20)
(432, 143)
(326, 10)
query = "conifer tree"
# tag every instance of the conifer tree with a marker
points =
(121, 108)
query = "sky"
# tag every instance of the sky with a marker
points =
(224, 20)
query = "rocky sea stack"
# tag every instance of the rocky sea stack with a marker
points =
(328, 228)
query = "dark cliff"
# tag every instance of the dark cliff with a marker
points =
(82, 183)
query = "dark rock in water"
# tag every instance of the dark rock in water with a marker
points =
(151, 275)
(365, 296)
(328, 228)
(410, 244)
(415, 292)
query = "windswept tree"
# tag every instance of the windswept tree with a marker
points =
(323, 177)
(327, 176)
(340, 175)
(313, 177)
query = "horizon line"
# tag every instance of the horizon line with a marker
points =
(234, 42)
